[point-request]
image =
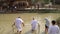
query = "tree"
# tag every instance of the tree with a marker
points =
(55, 1)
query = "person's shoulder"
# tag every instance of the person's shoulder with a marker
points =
(57, 26)
(18, 18)
(50, 26)
(35, 20)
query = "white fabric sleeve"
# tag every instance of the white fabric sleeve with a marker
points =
(22, 21)
(58, 30)
(49, 30)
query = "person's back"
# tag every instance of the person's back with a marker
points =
(18, 21)
(34, 24)
(54, 29)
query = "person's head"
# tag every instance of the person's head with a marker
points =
(33, 18)
(46, 18)
(53, 22)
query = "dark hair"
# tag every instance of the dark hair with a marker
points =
(53, 22)
(33, 18)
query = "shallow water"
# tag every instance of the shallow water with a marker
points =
(6, 21)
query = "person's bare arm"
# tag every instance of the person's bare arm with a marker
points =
(13, 24)
(23, 24)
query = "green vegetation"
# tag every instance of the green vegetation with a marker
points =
(44, 11)
(46, 1)
(36, 11)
